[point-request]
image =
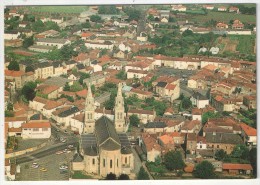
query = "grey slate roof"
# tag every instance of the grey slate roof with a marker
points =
(52, 40)
(68, 112)
(199, 96)
(91, 151)
(58, 81)
(77, 158)
(155, 125)
(161, 84)
(225, 138)
(105, 132)
(126, 150)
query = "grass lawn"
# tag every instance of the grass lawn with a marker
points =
(224, 17)
(80, 175)
(59, 9)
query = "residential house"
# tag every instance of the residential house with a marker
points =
(209, 7)
(237, 24)
(150, 147)
(64, 114)
(191, 143)
(99, 45)
(48, 91)
(222, 9)
(96, 66)
(237, 169)
(36, 130)
(225, 141)
(179, 8)
(248, 134)
(234, 9)
(11, 35)
(199, 100)
(132, 73)
(54, 42)
(19, 77)
(193, 126)
(38, 103)
(139, 93)
(43, 70)
(155, 127)
(144, 115)
(49, 107)
(249, 101)
(96, 79)
(143, 37)
(221, 25)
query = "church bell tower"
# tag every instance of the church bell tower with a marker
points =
(119, 110)
(89, 112)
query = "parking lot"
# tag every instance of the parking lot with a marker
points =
(51, 163)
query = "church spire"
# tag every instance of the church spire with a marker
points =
(89, 112)
(119, 110)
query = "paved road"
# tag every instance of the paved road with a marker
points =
(44, 153)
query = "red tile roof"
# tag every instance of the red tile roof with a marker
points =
(250, 131)
(40, 100)
(231, 166)
(36, 125)
(14, 73)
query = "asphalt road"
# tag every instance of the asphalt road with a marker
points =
(44, 153)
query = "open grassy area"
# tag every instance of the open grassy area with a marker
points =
(246, 43)
(224, 17)
(80, 175)
(59, 9)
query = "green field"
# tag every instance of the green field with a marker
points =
(59, 9)
(246, 43)
(224, 17)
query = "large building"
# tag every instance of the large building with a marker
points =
(104, 146)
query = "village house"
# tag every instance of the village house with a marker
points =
(225, 141)
(96, 79)
(59, 69)
(222, 9)
(221, 25)
(237, 169)
(170, 140)
(234, 9)
(237, 24)
(10, 170)
(248, 134)
(36, 130)
(133, 73)
(53, 42)
(11, 35)
(99, 45)
(96, 66)
(209, 7)
(193, 126)
(143, 37)
(226, 104)
(37, 103)
(64, 114)
(19, 77)
(43, 70)
(191, 143)
(144, 115)
(173, 124)
(139, 93)
(150, 147)
(249, 101)
(48, 91)
(179, 8)
(49, 107)
(155, 127)
(199, 100)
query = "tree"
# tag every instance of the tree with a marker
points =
(241, 152)
(208, 115)
(186, 103)
(121, 75)
(150, 17)
(9, 113)
(50, 25)
(133, 14)
(28, 90)
(14, 66)
(110, 104)
(38, 26)
(95, 18)
(142, 174)
(134, 120)
(76, 87)
(28, 42)
(29, 17)
(10, 106)
(253, 160)
(220, 155)
(93, 89)
(111, 176)
(187, 33)
(173, 160)
(29, 69)
(204, 170)
(83, 76)
(123, 177)
(86, 25)
(66, 87)
(67, 51)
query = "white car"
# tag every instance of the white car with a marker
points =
(70, 146)
(59, 152)
(35, 165)
(66, 150)
(63, 140)
(63, 167)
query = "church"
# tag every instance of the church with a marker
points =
(104, 146)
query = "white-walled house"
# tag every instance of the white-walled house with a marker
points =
(100, 45)
(36, 130)
(15, 122)
(59, 43)
(199, 100)
(11, 35)
(38, 103)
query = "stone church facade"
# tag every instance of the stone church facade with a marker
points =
(104, 146)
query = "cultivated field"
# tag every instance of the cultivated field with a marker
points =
(59, 9)
(224, 17)
(226, 44)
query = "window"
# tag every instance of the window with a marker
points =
(125, 159)
(104, 162)
(200, 146)
(36, 129)
(93, 161)
(45, 129)
(117, 162)
(217, 146)
(111, 163)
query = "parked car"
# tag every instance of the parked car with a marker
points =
(70, 146)
(63, 167)
(43, 169)
(59, 152)
(35, 165)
